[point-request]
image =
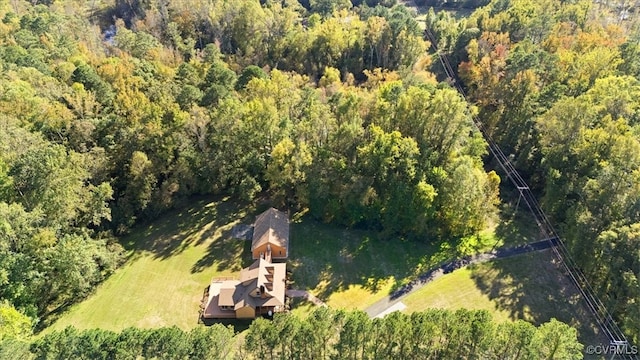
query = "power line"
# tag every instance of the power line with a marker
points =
(594, 304)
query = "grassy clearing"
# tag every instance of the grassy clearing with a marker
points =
(456, 290)
(529, 287)
(172, 260)
(301, 307)
(353, 268)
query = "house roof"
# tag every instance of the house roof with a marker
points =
(266, 276)
(271, 227)
(212, 308)
(261, 275)
(251, 272)
(227, 289)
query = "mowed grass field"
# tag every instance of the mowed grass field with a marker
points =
(352, 269)
(171, 261)
(529, 287)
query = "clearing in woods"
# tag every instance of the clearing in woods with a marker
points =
(173, 259)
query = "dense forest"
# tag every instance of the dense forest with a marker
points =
(102, 129)
(557, 84)
(112, 112)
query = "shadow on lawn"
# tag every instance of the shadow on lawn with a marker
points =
(516, 226)
(329, 258)
(227, 253)
(237, 325)
(534, 287)
(193, 225)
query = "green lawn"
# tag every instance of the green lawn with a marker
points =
(453, 291)
(301, 308)
(173, 259)
(352, 268)
(171, 262)
(529, 287)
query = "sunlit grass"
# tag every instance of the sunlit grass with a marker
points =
(353, 269)
(162, 284)
(358, 297)
(453, 291)
(530, 287)
(302, 308)
(174, 258)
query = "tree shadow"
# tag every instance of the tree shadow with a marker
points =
(193, 225)
(237, 325)
(226, 253)
(534, 287)
(319, 253)
(330, 259)
(516, 226)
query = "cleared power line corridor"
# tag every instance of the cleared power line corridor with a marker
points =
(596, 307)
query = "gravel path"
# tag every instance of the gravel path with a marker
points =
(381, 306)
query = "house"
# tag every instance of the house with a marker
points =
(261, 287)
(271, 235)
(260, 290)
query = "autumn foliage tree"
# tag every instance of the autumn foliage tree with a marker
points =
(554, 83)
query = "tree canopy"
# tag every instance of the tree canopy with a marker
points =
(114, 112)
(556, 85)
(325, 334)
